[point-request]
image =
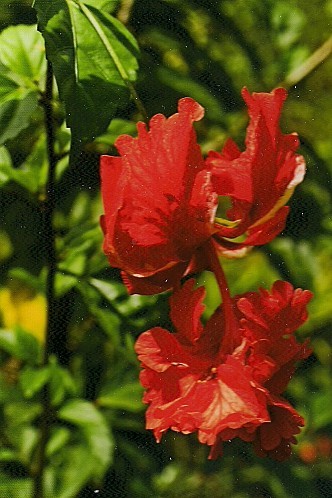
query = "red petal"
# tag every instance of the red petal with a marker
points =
(274, 438)
(269, 324)
(266, 107)
(186, 310)
(113, 182)
(265, 233)
(235, 402)
(158, 282)
(158, 350)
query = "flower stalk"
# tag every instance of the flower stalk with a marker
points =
(227, 303)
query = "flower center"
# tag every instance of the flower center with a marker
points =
(209, 375)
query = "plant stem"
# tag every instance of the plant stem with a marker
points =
(301, 72)
(216, 268)
(125, 10)
(47, 206)
(230, 323)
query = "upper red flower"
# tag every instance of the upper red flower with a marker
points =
(224, 380)
(259, 180)
(158, 199)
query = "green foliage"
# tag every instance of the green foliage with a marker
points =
(22, 65)
(93, 56)
(94, 429)
(207, 50)
(20, 344)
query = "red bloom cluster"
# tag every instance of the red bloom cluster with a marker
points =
(160, 196)
(162, 222)
(225, 380)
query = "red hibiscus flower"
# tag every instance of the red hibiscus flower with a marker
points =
(224, 380)
(158, 200)
(259, 180)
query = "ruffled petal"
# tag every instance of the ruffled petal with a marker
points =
(186, 311)
(274, 439)
(261, 179)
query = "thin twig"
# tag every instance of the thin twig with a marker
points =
(124, 11)
(47, 207)
(301, 72)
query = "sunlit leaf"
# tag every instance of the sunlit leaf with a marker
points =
(59, 437)
(92, 423)
(20, 488)
(15, 114)
(22, 66)
(32, 173)
(20, 344)
(92, 55)
(61, 383)
(109, 290)
(21, 413)
(127, 397)
(32, 380)
(77, 468)
(107, 5)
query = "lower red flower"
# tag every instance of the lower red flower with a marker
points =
(224, 380)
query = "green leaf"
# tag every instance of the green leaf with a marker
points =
(23, 53)
(33, 379)
(94, 427)
(15, 115)
(109, 290)
(5, 157)
(6, 246)
(22, 65)
(108, 320)
(21, 413)
(9, 90)
(93, 56)
(63, 283)
(8, 392)
(321, 415)
(117, 127)
(108, 5)
(18, 488)
(186, 86)
(7, 455)
(127, 397)
(33, 172)
(5, 164)
(58, 439)
(28, 441)
(61, 383)
(31, 281)
(76, 470)
(20, 344)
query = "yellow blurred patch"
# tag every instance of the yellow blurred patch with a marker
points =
(23, 308)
